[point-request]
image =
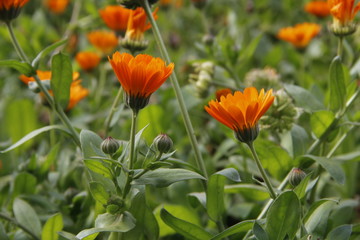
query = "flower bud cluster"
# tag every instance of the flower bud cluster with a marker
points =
(202, 77)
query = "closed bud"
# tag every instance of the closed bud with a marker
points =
(110, 145)
(163, 143)
(134, 45)
(296, 176)
(115, 205)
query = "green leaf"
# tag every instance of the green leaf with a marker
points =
(33, 134)
(90, 144)
(67, 235)
(337, 85)
(164, 177)
(3, 234)
(259, 232)
(215, 197)
(46, 51)
(98, 167)
(146, 224)
(52, 226)
(27, 216)
(50, 159)
(320, 121)
(109, 223)
(61, 78)
(99, 192)
(249, 50)
(187, 229)
(25, 183)
(250, 192)
(283, 217)
(234, 229)
(342, 232)
(330, 165)
(21, 67)
(154, 117)
(20, 119)
(274, 158)
(300, 189)
(316, 219)
(303, 98)
(230, 173)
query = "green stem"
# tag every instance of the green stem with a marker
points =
(262, 170)
(112, 111)
(340, 46)
(16, 44)
(173, 78)
(49, 98)
(101, 85)
(131, 155)
(24, 228)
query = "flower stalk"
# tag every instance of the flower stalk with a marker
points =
(112, 111)
(173, 78)
(262, 170)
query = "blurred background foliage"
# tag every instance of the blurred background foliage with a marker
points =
(236, 37)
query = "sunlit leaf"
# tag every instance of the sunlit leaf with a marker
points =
(52, 226)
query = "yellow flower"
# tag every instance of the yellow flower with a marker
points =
(103, 40)
(87, 60)
(300, 35)
(10, 9)
(241, 111)
(343, 12)
(317, 8)
(57, 6)
(115, 17)
(139, 76)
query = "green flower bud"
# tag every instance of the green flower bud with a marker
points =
(163, 143)
(296, 176)
(110, 145)
(134, 45)
(115, 205)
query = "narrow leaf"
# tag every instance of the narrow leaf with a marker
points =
(259, 232)
(187, 229)
(98, 167)
(237, 228)
(342, 232)
(21, 67)
(337, 84)
(230, 173)
(90, 144)
(163, 177)
(61, 78)
(46, 51)
(52, 226)
(215, 197)
(34, 134)
(303, 98)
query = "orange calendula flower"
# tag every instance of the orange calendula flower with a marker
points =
(222, 92)
(137, 25)
(77, 92)
(299, 35)
(115, 17)
(103, 40)
(343, 12)
(241, 111)
(139, 76)
(317, 8)
(57, 6)
(10, 9)
(87, 60)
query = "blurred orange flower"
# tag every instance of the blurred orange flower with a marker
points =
(242, 111)
(87, 60)
(299, 35)
(222, 92)
(317, 8)
(57, 6)
(138, 24)
(343, 11)
(139, 76)
(77, 92)
(10, 9)
(103, 40)
(115, 17)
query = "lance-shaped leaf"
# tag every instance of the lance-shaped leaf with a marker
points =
(61, 78)
(337, 84)
(21, 67)
(52, 226)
